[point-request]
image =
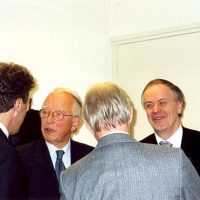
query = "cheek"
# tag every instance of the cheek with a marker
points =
(42, 123)
(63, 125)
(149, 114)
(66, 127)
(173, 110)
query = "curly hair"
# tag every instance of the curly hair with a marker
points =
(15, 82)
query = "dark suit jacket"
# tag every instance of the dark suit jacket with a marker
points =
(190, 145)
(43, 183)
(30, 129)
(12, 180)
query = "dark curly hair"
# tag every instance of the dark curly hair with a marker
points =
(15, 82)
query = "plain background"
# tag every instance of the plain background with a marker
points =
(171, 54)
(67, 43)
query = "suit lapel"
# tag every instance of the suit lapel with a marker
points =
(185, 141)
(3, 138)
(75, 151)
(153, 139)
(43, 160)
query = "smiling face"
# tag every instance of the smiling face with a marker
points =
(58, 132)
(162, 109)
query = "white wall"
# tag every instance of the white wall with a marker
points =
(130, 20)
(67, 42)
(63, 43)
(133, 16)
(172, 54)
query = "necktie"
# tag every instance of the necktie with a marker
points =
(59, 167)
(166, 143)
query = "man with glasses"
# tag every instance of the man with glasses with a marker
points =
(16, 82)
(60, 117)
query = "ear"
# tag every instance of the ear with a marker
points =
(76, 123)
(17, 106)
(179, 107)
(131, 115)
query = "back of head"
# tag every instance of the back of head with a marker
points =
(15, 82)
(106, 106)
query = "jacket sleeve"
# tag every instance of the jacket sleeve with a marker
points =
(190, 180)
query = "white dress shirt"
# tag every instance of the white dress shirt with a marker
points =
(4, 129)
(175, 139)
(66, 157)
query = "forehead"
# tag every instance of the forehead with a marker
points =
(157, 92)
(59, 100)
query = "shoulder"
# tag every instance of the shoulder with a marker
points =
(191, 132)
(149, 139)
(29, 148)
(191, 135)
(78, 145)
(7, 151)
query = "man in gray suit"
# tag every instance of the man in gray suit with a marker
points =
(120, 167)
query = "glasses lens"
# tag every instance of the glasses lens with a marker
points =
(44, 113)
(58, 115)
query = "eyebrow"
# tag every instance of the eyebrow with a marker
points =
(156, 101)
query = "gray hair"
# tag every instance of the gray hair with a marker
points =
(106, 106)
(77, 105)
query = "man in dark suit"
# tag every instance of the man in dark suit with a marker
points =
(164, 104)
(15, 84)
(60, 117)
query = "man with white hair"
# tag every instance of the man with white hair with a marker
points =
(44, 159)
(120, 167)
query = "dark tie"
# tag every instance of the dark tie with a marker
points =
(166, 143)
(59, 167)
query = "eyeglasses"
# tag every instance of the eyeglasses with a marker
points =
(57, 115)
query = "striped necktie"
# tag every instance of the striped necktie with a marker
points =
(59, 166)
(166, 143)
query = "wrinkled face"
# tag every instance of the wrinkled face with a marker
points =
(58, 132)
(162, 109)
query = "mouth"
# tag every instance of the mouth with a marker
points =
(158, 118)
(49, 130)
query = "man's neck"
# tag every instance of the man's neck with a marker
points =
(167, 133)
(125, 128)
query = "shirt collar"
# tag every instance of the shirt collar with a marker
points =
(4, 129)
(175, 139)
(113, 132)
(53, 149)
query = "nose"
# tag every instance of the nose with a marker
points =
(156, 108)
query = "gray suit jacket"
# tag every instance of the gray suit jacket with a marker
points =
(120, 168)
